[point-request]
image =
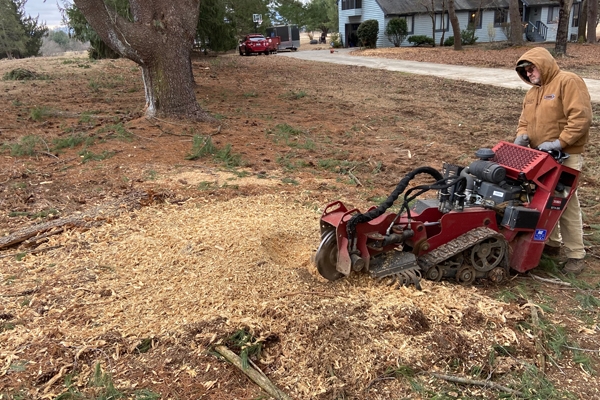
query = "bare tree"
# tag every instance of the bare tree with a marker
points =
(516, 28)
(562, 33)
(430, 7)
(592, 18)
(159, 40)
(455, 25)
(581, 28)
(443, 22)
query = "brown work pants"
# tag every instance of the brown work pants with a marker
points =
(569, 229)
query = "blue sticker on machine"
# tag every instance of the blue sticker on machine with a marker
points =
(540, 234)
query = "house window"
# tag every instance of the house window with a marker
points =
(474, 19)
(441, 22)
(409, 23)
(351, 4)
(500, 17)
(553, 15)
(575, 23)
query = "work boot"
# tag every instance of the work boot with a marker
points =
(574, 266)
(552, 251)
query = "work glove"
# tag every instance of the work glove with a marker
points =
(522, 140)
(550, 146)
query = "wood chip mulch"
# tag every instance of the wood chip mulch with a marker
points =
(211, 268)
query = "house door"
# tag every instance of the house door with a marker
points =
(351, 36)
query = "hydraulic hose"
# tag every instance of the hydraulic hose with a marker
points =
(376, 212)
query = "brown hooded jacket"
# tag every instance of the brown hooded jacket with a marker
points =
(559, 108)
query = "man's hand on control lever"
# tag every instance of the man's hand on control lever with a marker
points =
(522, 140)
(550, 146)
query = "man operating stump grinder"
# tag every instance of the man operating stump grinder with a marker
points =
(556, 115)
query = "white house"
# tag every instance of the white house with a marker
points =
(490, 18)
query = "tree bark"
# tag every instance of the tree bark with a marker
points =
(159, 40)
(583, 20)
(562, 33)
(443, 22)
(592, 17)
(516, 27)
(455, 25)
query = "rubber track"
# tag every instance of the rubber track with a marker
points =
(456, 246)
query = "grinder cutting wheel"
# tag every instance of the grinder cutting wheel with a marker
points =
(490, 216)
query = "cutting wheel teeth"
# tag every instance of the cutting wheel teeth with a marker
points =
(403, 278)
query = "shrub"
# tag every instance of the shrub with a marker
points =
(396, 31)
(419, 40)
(467, 37)
(21, 74)
(367, 33)
(336, 40)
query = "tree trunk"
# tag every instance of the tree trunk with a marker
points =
(443, 22)
(583, 20)
(562, 33)
(169, 84)
(431, 11)
(159, 40)
(516, 27)
(432, 15)
(592, 16)
(455, 25)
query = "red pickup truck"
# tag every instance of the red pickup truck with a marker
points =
(257, 43)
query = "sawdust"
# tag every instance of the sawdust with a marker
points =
(196, 272)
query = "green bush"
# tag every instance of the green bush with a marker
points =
(396, 31)
(420, 40)
(467, 37)
(367, 33)
(336, 40)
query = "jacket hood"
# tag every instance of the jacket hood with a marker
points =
(543, 60)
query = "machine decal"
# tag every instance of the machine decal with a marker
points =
(540, 234)
(556, 203)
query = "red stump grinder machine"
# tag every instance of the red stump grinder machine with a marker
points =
(486, 218)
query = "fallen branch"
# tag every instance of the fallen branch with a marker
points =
(466, 381)
(554, 281)
(86, 219)
(593, 255)
(36, 240)
(579, 349)
(56, 377)
(331, 296)
(354, 178)
(535, 323)
(256, 377)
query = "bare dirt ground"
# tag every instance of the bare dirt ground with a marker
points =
(196, 249)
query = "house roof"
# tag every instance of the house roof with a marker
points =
(402, 7)
(534, 3)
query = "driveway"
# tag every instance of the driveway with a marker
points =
(488, 76)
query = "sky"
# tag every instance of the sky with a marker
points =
(47, 10)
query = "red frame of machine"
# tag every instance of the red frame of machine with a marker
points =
(432, 228)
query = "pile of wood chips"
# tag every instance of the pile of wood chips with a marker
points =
(219, 266)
